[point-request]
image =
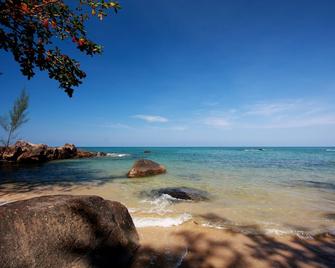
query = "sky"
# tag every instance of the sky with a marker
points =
(193, 73)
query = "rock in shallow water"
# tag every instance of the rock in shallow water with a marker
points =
(144, 167)
(66, 231)
(181, 193)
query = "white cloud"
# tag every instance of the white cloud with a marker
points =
(151, 118)
(294, 113)
(269, 109)
(321, 120)
(219, 122)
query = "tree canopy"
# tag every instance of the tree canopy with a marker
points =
(28, 29)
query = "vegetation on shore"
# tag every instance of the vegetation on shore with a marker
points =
(16, 117)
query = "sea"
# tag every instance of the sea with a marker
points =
(271, 190)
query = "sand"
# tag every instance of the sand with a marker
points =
(191, 245)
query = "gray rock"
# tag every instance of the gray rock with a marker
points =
(180, 193)
(66, 231)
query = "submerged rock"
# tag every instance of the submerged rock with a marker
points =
(181, 193)
(144, 167)
(147, 152)
(66, 231)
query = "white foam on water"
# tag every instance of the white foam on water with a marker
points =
(215, 226)
(132, 210)
(117, 155)
(161, 222)
(159, 205)
(330, 150)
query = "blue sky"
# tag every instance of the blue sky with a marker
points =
(194, 73)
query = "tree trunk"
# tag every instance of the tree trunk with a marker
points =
(7, 143)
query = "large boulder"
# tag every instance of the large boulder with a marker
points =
(10, 153)
(67, 151)
(144, 167)
(66, 231)
(180, 193)
(33, 153)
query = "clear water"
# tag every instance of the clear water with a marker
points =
(274, 190)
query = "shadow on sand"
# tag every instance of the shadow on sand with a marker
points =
(228, 248)
(62, 175)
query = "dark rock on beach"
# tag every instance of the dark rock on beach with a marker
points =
(26, 152)
(66, 231)
(144, 167)
(181, 193)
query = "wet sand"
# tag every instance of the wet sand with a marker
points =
(191, 245)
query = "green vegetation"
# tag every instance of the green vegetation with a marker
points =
(28, 29)
(16, 117)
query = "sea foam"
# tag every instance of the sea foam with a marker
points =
(117, 155)
(159, 205)
(161, 222)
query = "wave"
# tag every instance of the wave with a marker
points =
(117, 155)
(160, 204)
(330, 150)
(267, 231)
(4, 202)
(161, 222)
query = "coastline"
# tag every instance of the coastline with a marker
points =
(190, 245)
(193, 245)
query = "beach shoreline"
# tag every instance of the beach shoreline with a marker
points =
(191, 245)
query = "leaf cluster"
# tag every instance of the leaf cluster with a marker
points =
(28, 29)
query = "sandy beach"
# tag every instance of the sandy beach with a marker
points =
(190, 245)
(254, 217)
(193, 245)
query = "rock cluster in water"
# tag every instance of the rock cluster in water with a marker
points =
(144, 168)
(26, 152)
(66, 231)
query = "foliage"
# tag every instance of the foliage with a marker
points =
(28, 29)
(16, 118)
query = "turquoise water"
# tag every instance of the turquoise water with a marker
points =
(273, 190)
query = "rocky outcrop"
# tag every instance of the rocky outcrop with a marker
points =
(180, 193)
(26, 152)
(66, 231)
(144, 167)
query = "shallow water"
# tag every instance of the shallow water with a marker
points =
(273, 190)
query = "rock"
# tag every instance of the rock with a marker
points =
(66, 231)
(101, 154)
(26, 152)
(67, 151)
(147, 152)
(144, 167)
(84, 154)
(33, 153)
(182, 193)
(10, 153)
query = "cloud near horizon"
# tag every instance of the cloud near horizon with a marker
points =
(295, 113)
(151, 118)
